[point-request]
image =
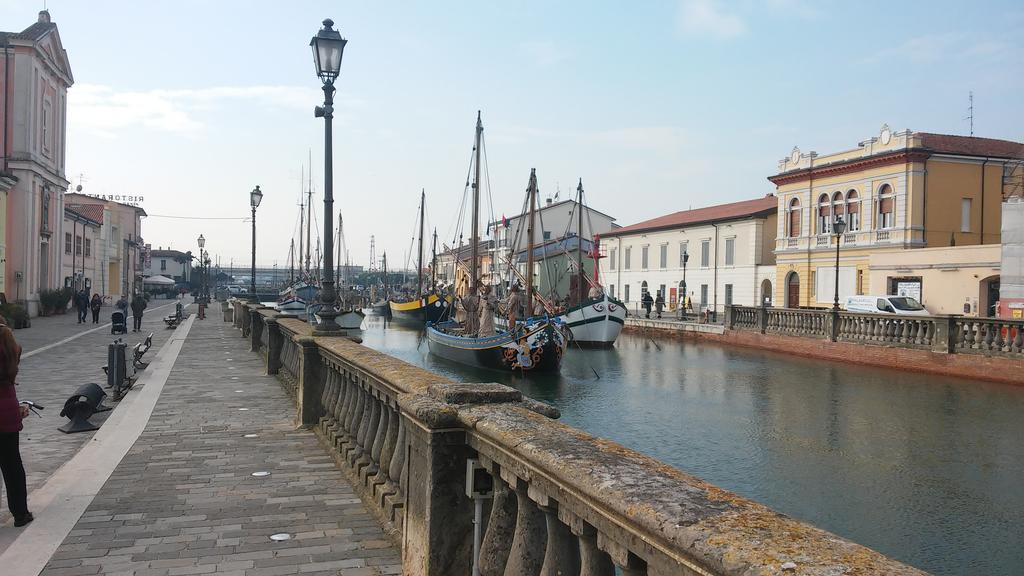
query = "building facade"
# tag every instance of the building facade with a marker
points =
(553, 220)
(80, 238)
(726, 252)
(898, 191)
(34, 78)
(121, 245)
(174, 264)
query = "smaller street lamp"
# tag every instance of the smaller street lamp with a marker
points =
(838, 227)
(682, 308)
(202, 279)
(255, 197)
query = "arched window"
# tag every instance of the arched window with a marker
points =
(852, 211)
(838, 207)
(794, 218)
(824, 215)
(886, 207)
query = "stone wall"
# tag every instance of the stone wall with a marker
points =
(561, 501)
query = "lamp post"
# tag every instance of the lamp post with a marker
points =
(686, 258)
(838, 227)
(206, 277)
(328, 46)
(202, 242)
(255, 197)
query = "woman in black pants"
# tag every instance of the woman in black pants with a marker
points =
(11, 415)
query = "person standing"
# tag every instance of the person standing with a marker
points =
(512, 307)
(138, 306)
(94, 305)
(659, 304)
(471, 304)
(11, 415)
(488, 307)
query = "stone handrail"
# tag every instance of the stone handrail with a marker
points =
(564, 502)
(945, 334)
(988, 336)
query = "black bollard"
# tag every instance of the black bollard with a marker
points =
(80, 407)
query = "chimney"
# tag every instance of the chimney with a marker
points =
(44, 16)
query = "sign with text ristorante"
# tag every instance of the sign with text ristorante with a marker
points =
(122, 198)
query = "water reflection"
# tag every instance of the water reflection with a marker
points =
(923, 468)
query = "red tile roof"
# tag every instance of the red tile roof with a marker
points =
(93, 212)
(719, 213)
(971, 146)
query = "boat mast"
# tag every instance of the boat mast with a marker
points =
(309, 213)
(302, 217)
(579, 241)
(419, 265)
(531, 189)
(337, 272)
(291, 264)
(476, 205)
(385, 265)
(433, 264)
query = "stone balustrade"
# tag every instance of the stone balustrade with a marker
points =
(563, 501)
(947, 334)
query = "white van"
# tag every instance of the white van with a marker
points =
(899, 305)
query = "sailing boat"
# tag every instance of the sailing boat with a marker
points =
(382, 307)
(536, 345)
(349, 317)
(429, 307)
(295, 298)
(594, 318)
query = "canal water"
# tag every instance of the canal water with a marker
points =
(925, 469)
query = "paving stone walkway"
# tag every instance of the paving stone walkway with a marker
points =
(184, 499)
(49, 376)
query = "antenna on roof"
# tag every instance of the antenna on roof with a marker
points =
(970, 110)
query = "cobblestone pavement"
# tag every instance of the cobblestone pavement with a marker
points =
(50, 376)
(184, 501)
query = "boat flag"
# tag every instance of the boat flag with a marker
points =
(504, 221)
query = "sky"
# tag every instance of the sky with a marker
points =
(658, 106)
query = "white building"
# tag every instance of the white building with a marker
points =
(727, 252)
(553, 220)
(174, 264)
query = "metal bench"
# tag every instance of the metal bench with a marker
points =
(140, 350)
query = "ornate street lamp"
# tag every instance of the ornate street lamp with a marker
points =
(328, 46)
(255, 197)
(838, 227)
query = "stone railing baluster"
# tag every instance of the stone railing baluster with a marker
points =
(562, 553)
(529, 540)
(501, 526)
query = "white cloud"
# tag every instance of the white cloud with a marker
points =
(948, 47)
(103, 110)
(709, 18)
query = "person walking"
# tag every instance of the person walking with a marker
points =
(94, 305)
(11, 415)
(82, 304)
(646, 301)
(659, 304)
(138, 306)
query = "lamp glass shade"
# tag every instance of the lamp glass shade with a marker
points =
(255, 197)
(202, 242)
(839, 226)
(328, 47)
(686, 257)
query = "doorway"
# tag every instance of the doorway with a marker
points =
(793, 290)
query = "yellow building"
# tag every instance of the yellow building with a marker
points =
(898, 191)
